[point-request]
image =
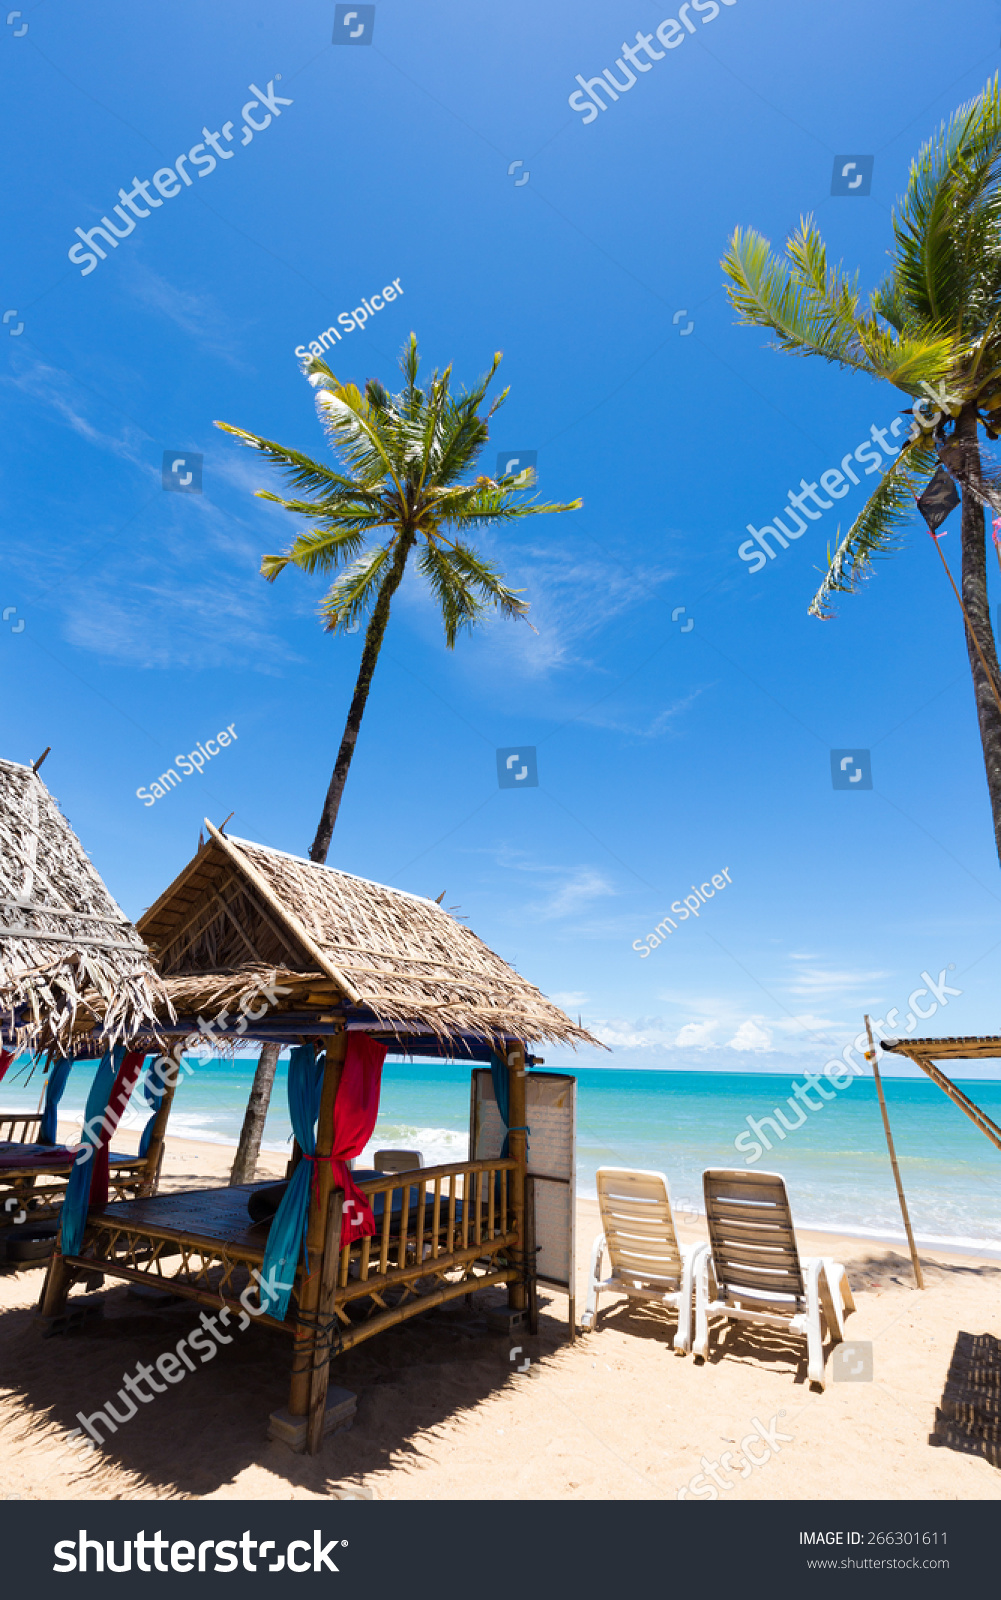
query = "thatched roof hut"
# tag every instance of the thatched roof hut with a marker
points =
(380, 959)
(69, 957)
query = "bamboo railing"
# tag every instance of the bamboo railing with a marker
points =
(449, 1218)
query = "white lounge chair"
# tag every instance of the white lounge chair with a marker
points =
(753, 1270)
(646, 1260)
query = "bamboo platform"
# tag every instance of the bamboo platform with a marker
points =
(33, 1179)
(440, 1232)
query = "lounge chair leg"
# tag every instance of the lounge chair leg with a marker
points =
(840, 1281)
(700, 1344)
(593, 1284)
(830, 1299)
(814, 1332)
(691, 1260)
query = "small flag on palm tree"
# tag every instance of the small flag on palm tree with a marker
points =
(939, 499)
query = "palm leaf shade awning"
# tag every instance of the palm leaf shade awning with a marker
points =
(70, 959)
(343, 949)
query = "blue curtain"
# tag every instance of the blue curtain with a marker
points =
(74, 1214)
(305, 1077)
(59, 1071)
(155, 1086)
(502, 1084)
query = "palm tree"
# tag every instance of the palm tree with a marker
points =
(933, 330)
(398, 494)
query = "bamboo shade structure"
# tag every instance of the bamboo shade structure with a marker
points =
(970, 1048)
(242, 914)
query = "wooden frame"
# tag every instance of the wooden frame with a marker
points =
(442, 1232)
(452, 1232)
(39, 1187)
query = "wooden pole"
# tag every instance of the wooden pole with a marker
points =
(517, 1149)
(154, 1155)
(916, 1264)
(324, 1343)
(56, 1287)
(319, 1197)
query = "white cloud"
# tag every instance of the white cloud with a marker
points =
(199, 315)
(814, 982)
(694, 1033)
(751, 1036)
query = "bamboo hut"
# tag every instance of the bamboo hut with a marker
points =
(72, 967)
(252, 943)
(70, 960)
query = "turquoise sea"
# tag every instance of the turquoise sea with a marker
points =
(835, 1164)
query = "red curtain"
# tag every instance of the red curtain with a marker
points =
(6, 1057)
(355, 1110)
(121, 1093)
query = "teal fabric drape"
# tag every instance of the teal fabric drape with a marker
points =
(305, 1077)
(74, 1214)
(154, 1088)
(55, 1083)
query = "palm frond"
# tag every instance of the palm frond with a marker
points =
(946, 224)
(316, 550)
(877, 528)
(301, 470)
(355, 590)
(459, 606)
(814, 309)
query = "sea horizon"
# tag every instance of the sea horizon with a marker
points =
(669, 1119)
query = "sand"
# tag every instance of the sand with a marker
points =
(445, 1410)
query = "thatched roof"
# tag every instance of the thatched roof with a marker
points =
(68, 953)
(342, 946)
(967, 1047)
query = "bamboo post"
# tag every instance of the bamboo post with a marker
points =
(309, 1287)
(57, 1286)
(517, 1149)
(919, 1277)
(154, 1155)
(324, 1344)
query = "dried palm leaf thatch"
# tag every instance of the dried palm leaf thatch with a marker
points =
(69, 957)
(337, 939)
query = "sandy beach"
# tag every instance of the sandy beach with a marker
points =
(445, 1411)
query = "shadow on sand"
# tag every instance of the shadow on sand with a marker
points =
(198, 1436)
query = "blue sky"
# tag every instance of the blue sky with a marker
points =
(664, 756)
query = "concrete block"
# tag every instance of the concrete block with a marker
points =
(71, 1320)
(340, 1413)
(503, 1320)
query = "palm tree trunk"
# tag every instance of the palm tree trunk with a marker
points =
(249, 1148)
(369, 656)
(977, 610)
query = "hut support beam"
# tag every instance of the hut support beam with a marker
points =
(154, 1155)
(316, 1233)
(323, 1347)
(518, 1150)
